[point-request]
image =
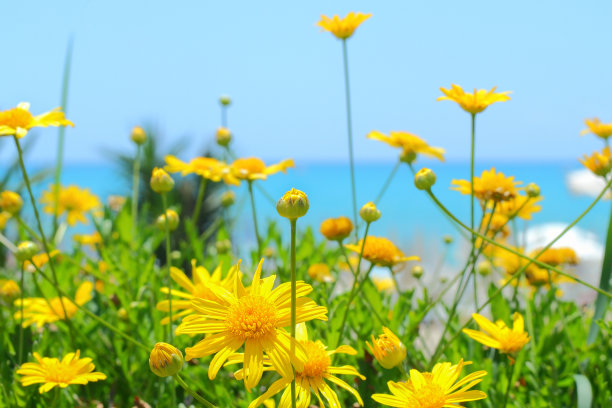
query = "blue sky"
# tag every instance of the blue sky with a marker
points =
(167, 62)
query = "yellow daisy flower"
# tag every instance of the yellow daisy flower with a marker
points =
(437, 389)
(411, 144)
(599, 163)
(508, 261)
(41, 311)
(18, 121)
(198, 287)
(520, 206)
(252, 168)
(254, 317)
(384, 284)
(489, 186)
(205, 167)
(598, 128)
(343, 28)
(9, 289)
(92, 239)
(476, 102)
(52, 372)
(73, 201)
(39, 261)
(387, 348)
(557, 256)
(317, 368)
(381, 252)
(336, 229)
(498, 336)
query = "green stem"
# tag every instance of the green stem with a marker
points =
(387, 183)
(350, 134)
(168, 265)
(395, 281)
(510, 373)
(21, 289)
(135, 196)
(473, 239)
(250, 184)
(199, 200)
(224, 116)
(357, 286)
(29, 230)
(191, 392)
(293, 306)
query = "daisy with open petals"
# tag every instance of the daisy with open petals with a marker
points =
(438, 389)
(491, 185)
(18, 121)
(411, 144)
(252, 168)
(74, 201)
(381, 252)
(498, 336)
(600, 163)
(254, 317)
(51, 372)
(343, 28)
(205, 167)
(312, 378)
(473, 102)
(598, 128)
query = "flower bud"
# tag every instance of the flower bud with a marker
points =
(161, 182)
(443, 279)
(123, 314)
(425, 179)
(9, 290)
(224, 136)
(320, 272)
(10, 202)
(138, 135)
(165, 360)
(223, 246)
(228, 198)
(173, 221)
(484, 268)
(225, 100)
(417, 271)
(336, 229)
(26, 250)
(408, 156)
(532, 190)
(387, 349)
(293, 205)
(369, 213)
(448, 239)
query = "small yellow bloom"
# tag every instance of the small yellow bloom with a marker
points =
(489, 186)
(317, 368)
(320, 272)
(138, 135)
(161, 182)
(41, 311)
(388, 350)
(116, 202)
(10, 202)
(173, 220)
(224, 136)
(293, 204)
(26, 250)
(509, 262)
(228, 198)
(343, 28)
(73, 201)
(52, 372)
(437, 389)
(476, 102)
(498, 336)
(520, 206)
(9, 290)
(165, 360)
(40, 260)
(411, 144)
(336, 229)
(557, 256)
(92, 240)
(600, 163)
(252, 168)
(381, 252)
(18, 121)
(598, 128)
(205, 167)
(384, 284)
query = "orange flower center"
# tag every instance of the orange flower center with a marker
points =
(385, 344)
(16, 118)
(252, 317)
(512, 341)
(430, 396)
(318, 360)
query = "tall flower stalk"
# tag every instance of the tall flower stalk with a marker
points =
(257, 237)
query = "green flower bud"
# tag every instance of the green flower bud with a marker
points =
(138, 136)
(165, 360)
(26, 250)
(228, 198)
(224, 136)
(425, 179)
(417, 271)
(484, 268)
(161, 182)
(408, 156)
(369, 212)
(448, 239)
(225, 100)
(223, 246)
(173, 221)
(293, 205)
(532, 190)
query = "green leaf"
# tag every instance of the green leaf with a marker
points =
(584, 391)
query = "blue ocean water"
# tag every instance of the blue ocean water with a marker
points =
(408, 214)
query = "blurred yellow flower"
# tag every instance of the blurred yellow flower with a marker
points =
(336, 229)
(317, 368)
(9, 289)
(73, 201)
(508, 261)
(437, 389)
(254, 317)
(520, 206)
(51, 372)
(4, 217)
(41, 311)
(343, 28)
(91, 240)
(598, 128)
(497, 223)
(18, 121)
(473, 102)
(557, 256)
(320, 272)
(39, 260)
(489, 186)
(387, 348)
(205, 167)
(411, 144)
(161, 182)
(498, 336)
(196, 288)
(599, 163)
(10, 202)
(384, 284)
(252, 168)
(381, 252)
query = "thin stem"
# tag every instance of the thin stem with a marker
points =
(224, 116)
(135, 196)
(510, 374)
(293, 306)
(21, 288)
(395, 281)
(350, 134)
(387, 182)
(198, 204)
(168, 265)
(473, 239)
(250, 184)
(29, 230)
(191, 392)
